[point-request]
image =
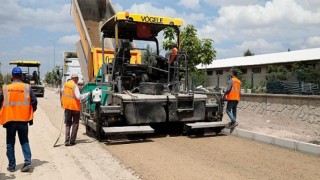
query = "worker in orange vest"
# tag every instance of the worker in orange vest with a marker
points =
(232, 95)
(173, 54)
(172, 57)
(17, 104)
(70, 97)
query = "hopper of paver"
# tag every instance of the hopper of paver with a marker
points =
(88, 16)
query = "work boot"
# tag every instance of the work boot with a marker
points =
(11, 169)
(233, 125)
(66, 143)
(26, 168)
(72, 143)
(228, 125)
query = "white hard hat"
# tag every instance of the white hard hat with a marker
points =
(74, 75)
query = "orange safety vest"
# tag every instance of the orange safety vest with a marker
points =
(234, 94)
(69, 99)
(16, 104)
(174, 52)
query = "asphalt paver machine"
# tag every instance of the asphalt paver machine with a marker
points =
(31, 75)
(134, 94)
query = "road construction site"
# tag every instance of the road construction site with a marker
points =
(167, 157)
(129, 97)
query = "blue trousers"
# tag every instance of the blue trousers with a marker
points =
(232, 110)
(22, 129)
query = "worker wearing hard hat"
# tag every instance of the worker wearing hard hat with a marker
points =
(70, 97)
(18, 103)
(232, 95)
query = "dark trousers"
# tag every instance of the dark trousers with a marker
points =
(232, 110)
(72, 119)
(22, 129)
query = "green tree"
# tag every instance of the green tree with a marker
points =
(170, 38)
(149, 55)
(54, 77)
(6, 79)
(276, 73)
(48, 78)
(200, 78)
(1, 79)
(306, 73)
(199, 51)
(248, 53)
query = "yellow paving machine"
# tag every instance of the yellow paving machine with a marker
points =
(133, 94)
(31, 75)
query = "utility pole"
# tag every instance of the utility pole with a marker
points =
(54, 52)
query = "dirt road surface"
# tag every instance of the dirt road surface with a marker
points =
(212, 157)
(88, 160)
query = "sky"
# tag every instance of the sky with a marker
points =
(43, 29)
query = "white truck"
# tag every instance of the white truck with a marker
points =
(71, 66)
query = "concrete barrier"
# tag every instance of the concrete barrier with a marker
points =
(281, 142)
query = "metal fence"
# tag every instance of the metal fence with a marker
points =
(292, 87)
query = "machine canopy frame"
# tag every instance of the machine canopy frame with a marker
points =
(25, 63)
(125, 26)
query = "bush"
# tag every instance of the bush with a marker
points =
(276, 73)
(199, 78)
(306, 73)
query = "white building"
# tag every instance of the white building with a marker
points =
(256, 65)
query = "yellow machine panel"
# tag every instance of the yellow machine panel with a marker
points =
(109, 56)
(148, 19)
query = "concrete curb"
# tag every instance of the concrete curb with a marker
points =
(281, 142)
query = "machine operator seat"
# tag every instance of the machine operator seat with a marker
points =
(35, 76)
(123, 55)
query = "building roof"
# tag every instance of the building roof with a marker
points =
(274, 58)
